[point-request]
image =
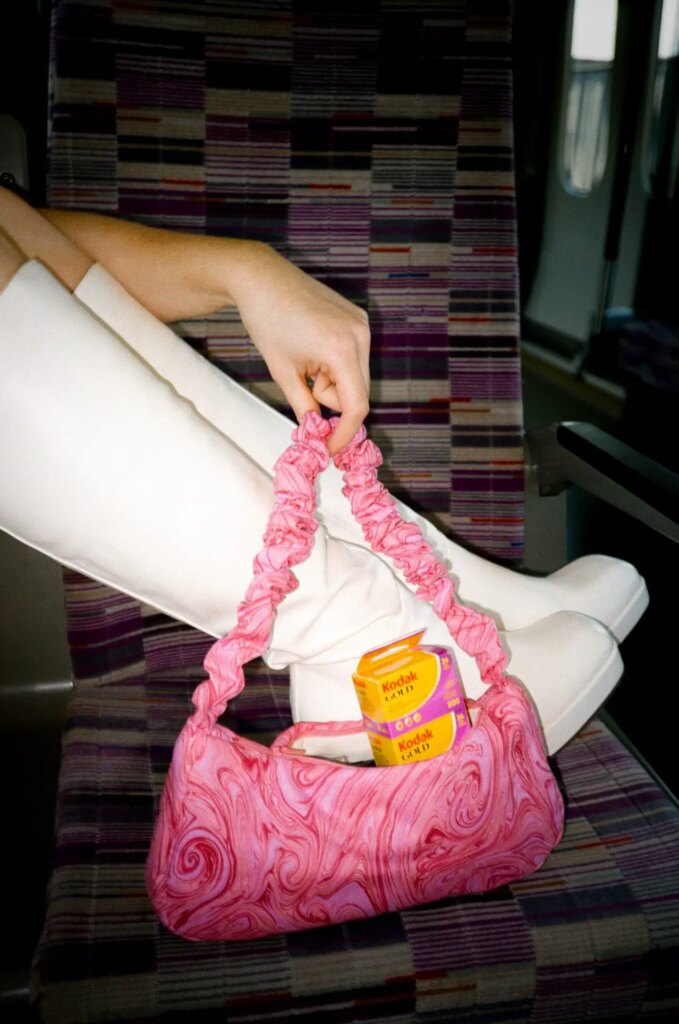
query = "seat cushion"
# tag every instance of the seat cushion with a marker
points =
(594, 934)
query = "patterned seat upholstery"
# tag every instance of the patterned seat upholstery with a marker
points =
(371, 143)
(592, 935)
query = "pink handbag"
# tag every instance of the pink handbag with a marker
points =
(253, 840)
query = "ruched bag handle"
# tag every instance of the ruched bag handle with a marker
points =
(288, 540)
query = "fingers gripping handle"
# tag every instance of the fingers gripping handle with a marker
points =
(288, 540)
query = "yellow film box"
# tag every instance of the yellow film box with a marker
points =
(412, 701)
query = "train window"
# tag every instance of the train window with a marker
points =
(588, 94)
(662, 149)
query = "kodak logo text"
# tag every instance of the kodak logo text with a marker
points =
(403, 679)
(414, 741)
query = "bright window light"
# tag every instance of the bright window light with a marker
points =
(588, 94)
(668, 42)
(594, 24)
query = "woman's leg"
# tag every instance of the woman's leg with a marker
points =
(106, 469)
(10, 261)
(607, 589)
(28, 235)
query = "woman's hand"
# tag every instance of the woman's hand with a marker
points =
(315, 343)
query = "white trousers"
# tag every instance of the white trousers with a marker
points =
(108, 467)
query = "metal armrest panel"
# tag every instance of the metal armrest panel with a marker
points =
(584, 455)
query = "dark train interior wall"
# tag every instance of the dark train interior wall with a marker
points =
(24, 58)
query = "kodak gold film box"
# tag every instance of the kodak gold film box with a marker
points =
(412, 702)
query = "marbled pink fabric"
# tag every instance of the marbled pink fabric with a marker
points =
(253, 840)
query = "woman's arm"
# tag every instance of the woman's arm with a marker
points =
(304, 330)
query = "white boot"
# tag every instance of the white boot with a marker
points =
(106, 469)
(604, 588)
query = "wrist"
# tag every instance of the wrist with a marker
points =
(242, 263)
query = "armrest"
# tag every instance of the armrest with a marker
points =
(584, 455)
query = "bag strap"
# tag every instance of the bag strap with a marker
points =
(288, 540)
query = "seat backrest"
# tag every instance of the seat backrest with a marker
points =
(371, 144)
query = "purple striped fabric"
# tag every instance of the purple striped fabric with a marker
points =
(371, 143)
